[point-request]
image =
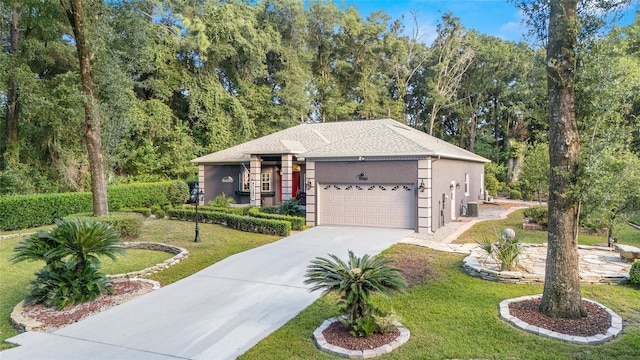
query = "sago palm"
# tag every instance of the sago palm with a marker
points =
(355, 281)
(71, 254)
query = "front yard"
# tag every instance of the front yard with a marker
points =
(217, 243)
(454, 316)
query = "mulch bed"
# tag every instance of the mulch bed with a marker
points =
(337, 335)
(52, 319)
(597, 321)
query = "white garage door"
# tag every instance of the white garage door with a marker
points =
(367, 205)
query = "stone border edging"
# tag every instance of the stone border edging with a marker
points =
(323, 345)
(472, 266)
(613, 331)
(24, 324)
(179, 255)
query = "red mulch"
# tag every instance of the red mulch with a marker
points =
(597, 321)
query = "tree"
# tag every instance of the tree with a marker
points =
(453, 57)
(559, 22)
(91, 130)
(535, 169)
(355, 281)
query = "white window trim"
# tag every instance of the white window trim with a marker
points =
(265, 179)
(466, 184)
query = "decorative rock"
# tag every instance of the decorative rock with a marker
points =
(628, 253)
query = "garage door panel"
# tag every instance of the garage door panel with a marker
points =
(370, 205)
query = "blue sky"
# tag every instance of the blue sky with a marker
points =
(493, 17)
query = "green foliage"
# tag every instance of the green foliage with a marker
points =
(222, 201)
(491, 184)
(140, 210)
(634, 273)
(242, 223)
(229, 210)
(297, 222)
(24, 211)
(71, 253)
(138, 195)
(535, 170)
(503, 250)
(515, 194)
(291, 208)
(355, 281)
(127, 224)
(539, 214)
(178, 193)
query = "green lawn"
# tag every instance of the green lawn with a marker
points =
(455, 316)
(625, 234)
(216, 243)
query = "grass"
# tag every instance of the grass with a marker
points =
(625, 234)
(454, 315)
(216, 244)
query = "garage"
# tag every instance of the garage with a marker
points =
(376, 205)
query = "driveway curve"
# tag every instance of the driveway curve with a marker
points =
(217, 313)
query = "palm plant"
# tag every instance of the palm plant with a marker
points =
(71, 253)
(355, 281)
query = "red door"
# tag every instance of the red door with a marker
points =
(295, 185)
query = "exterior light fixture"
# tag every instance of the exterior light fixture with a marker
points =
(308, 185)
(362, 177)
(197, 195)
(457, 185)
(422, 187)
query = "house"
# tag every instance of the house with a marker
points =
(377, 173)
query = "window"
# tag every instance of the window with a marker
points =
(266, 182)
(466, 184)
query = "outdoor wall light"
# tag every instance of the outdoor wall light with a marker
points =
(457, 185)
(451, 186)
(422, 187)
(197, 195)
(308, 185)
(362, 177)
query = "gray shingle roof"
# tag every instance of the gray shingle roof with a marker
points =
(346, 139)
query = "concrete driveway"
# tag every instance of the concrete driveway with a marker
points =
(217, 313)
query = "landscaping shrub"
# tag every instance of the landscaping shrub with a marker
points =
(515, 194)
(127, 224)
(242, 223)
(634, 273)
(355, 281)
(178, 193)
(297, 222)
(25, 211)
(158, 211)
(71, 253)
(222, 201)
(228, 210)
(492, 185)
(503, 249)
(138, 195)
(141, 210)
(539, 214)
(291, 208)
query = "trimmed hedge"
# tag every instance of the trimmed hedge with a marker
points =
(242, 223)
(226, 210)
(297, 222)
(25, 211)
(128, 224)
(138, 195)
(539, 214)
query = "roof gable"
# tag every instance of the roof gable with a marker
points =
(373, 138)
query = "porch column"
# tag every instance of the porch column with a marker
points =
(310, 187)
(256, 181)
(424, 196)
(287, 177)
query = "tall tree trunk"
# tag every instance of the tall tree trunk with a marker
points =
(12, 111)
(91, 129)
(561, 297)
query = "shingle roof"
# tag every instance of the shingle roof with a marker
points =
(346, 139)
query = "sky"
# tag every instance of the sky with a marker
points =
(498, 18)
